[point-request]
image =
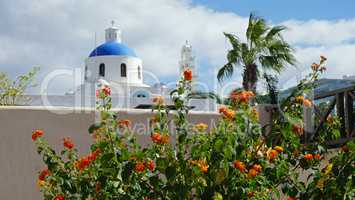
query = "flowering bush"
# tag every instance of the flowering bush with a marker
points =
(233, 160)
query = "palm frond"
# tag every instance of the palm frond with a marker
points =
(233, 39)
(205, 95)
(225, 72)
(275, 31)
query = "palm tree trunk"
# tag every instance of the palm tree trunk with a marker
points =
(250, 77)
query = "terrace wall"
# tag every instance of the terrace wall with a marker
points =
(19, 162)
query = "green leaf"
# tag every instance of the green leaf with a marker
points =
(170, 172)
(217, 196)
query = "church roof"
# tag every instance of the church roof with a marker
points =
(112, 49)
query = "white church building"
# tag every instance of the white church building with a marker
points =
(119, 65)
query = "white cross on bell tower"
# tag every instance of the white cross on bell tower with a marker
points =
(113, 34)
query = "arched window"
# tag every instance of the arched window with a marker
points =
(86, 73)
(123, 70)
(139, 72)
(102, 70)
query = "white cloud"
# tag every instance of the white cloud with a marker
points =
(320, 32)
(60, 33)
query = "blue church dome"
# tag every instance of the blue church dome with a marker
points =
(112, 49)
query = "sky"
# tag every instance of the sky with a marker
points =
(60, 34)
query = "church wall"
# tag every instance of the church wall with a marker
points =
(113, 68)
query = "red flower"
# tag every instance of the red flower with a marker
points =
(59, 197)
(308, 156)
(42, 176)
(93, 155)
(68, 143)
(106, 90)
(83, 163)
(291, 198)
(37, 134)
(188, 75)
(97, 93)
(151, 165)
(140, 167)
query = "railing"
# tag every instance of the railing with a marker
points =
(343, 102)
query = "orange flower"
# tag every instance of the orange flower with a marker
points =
(307, 103)
(229, 114)
(250, 194)
(317, 156)
(160, 139)
(222, 109)
(165, 139)
(242, 97)
(201, 164)
(203, 167)
(239, 165)
(315, 66)
(159, 100)
(68, 143)
(140, 167)
(124, 123)
(40, 183)
(279, 149)
(85, 161)
(297, 129)
(272, 154)
(308, 156)
(37, 134)
(93, 155)
(151, 165)
(257, 167)
(59, 197)
(252, 173)
(188, 75)
(201, 126)
(156, 137)
(300, 99)
(42, 176)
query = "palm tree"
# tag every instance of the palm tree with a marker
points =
(264, 47)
